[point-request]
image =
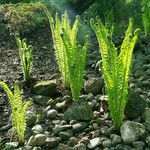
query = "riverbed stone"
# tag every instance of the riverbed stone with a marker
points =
(80, 110)
(30, 118)
(52, 142)
(46, 88)
(51, 114)
(94, 142)
(41, 100)
(135, 106)
(94, 85)
(131, 131)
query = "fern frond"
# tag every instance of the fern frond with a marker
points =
(25, 53)
(116, 68)
(76, 55)
(18, 109)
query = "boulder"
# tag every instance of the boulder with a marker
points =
(94, 85)
(135, 106)
(41, 100)
(80, 110)
(131, 131)
(46, 88)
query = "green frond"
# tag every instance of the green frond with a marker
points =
(18, 109)
(116, 68)
(25, 53)
(76, 55)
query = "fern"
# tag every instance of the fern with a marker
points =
(146, 16)
(76, 55)
(56, 29)
(116, 68)
(18, 109)
(25, 53)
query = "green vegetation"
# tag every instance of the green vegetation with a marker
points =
(76, 56)
(18, 109)
(146, 16)
(71, 57)
(56, 29)
(22, 17)
(25, 53)
(116, 68)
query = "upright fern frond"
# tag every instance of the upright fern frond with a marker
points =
(56, 26)
(146, 16)
(116, 68)
(25, 53)
(76, 55)
(18, 109)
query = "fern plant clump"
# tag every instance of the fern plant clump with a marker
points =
(25, 53)
(76, 55)
(56, 26)
(146, 16)
(116, 68)
(18, 109)
(71, 57)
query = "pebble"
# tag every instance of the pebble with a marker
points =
(80, 146)
(79, 126)
(37, 140)
(37, 129)
(94, 142)
(116, 139)
(106, 143)
(61, 105)
(131, 131)
(52, 142)
(139, 145)
(51, 114)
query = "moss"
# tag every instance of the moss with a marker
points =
(22, 17)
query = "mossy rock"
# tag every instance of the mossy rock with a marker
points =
(46, 88)
(80, 110)
(135, 106)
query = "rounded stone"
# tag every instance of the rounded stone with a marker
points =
(131, 131)
(51, 114)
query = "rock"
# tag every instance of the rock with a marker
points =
(139, 145)
(147, 125)
(100, 121)
(66, 134)
(11, 145)
(79, 126)
(131, 131)
(146, 114)
(64, 147)
(105, 130)
(59, 128)
(41, 100)
(46, 88)
(80, 146)
(72, 141)
(148, 141)
(61, 105)
(37, 140)
(94, 142)
(37, 129)
(116, 139)
(80, 110)
(52, 142)
(106, 143)
(94, 85)
(92, 103)
(123, 147)
(135, 106)
(51, 114)
(30, 118)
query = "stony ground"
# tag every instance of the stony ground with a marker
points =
(47, 125)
